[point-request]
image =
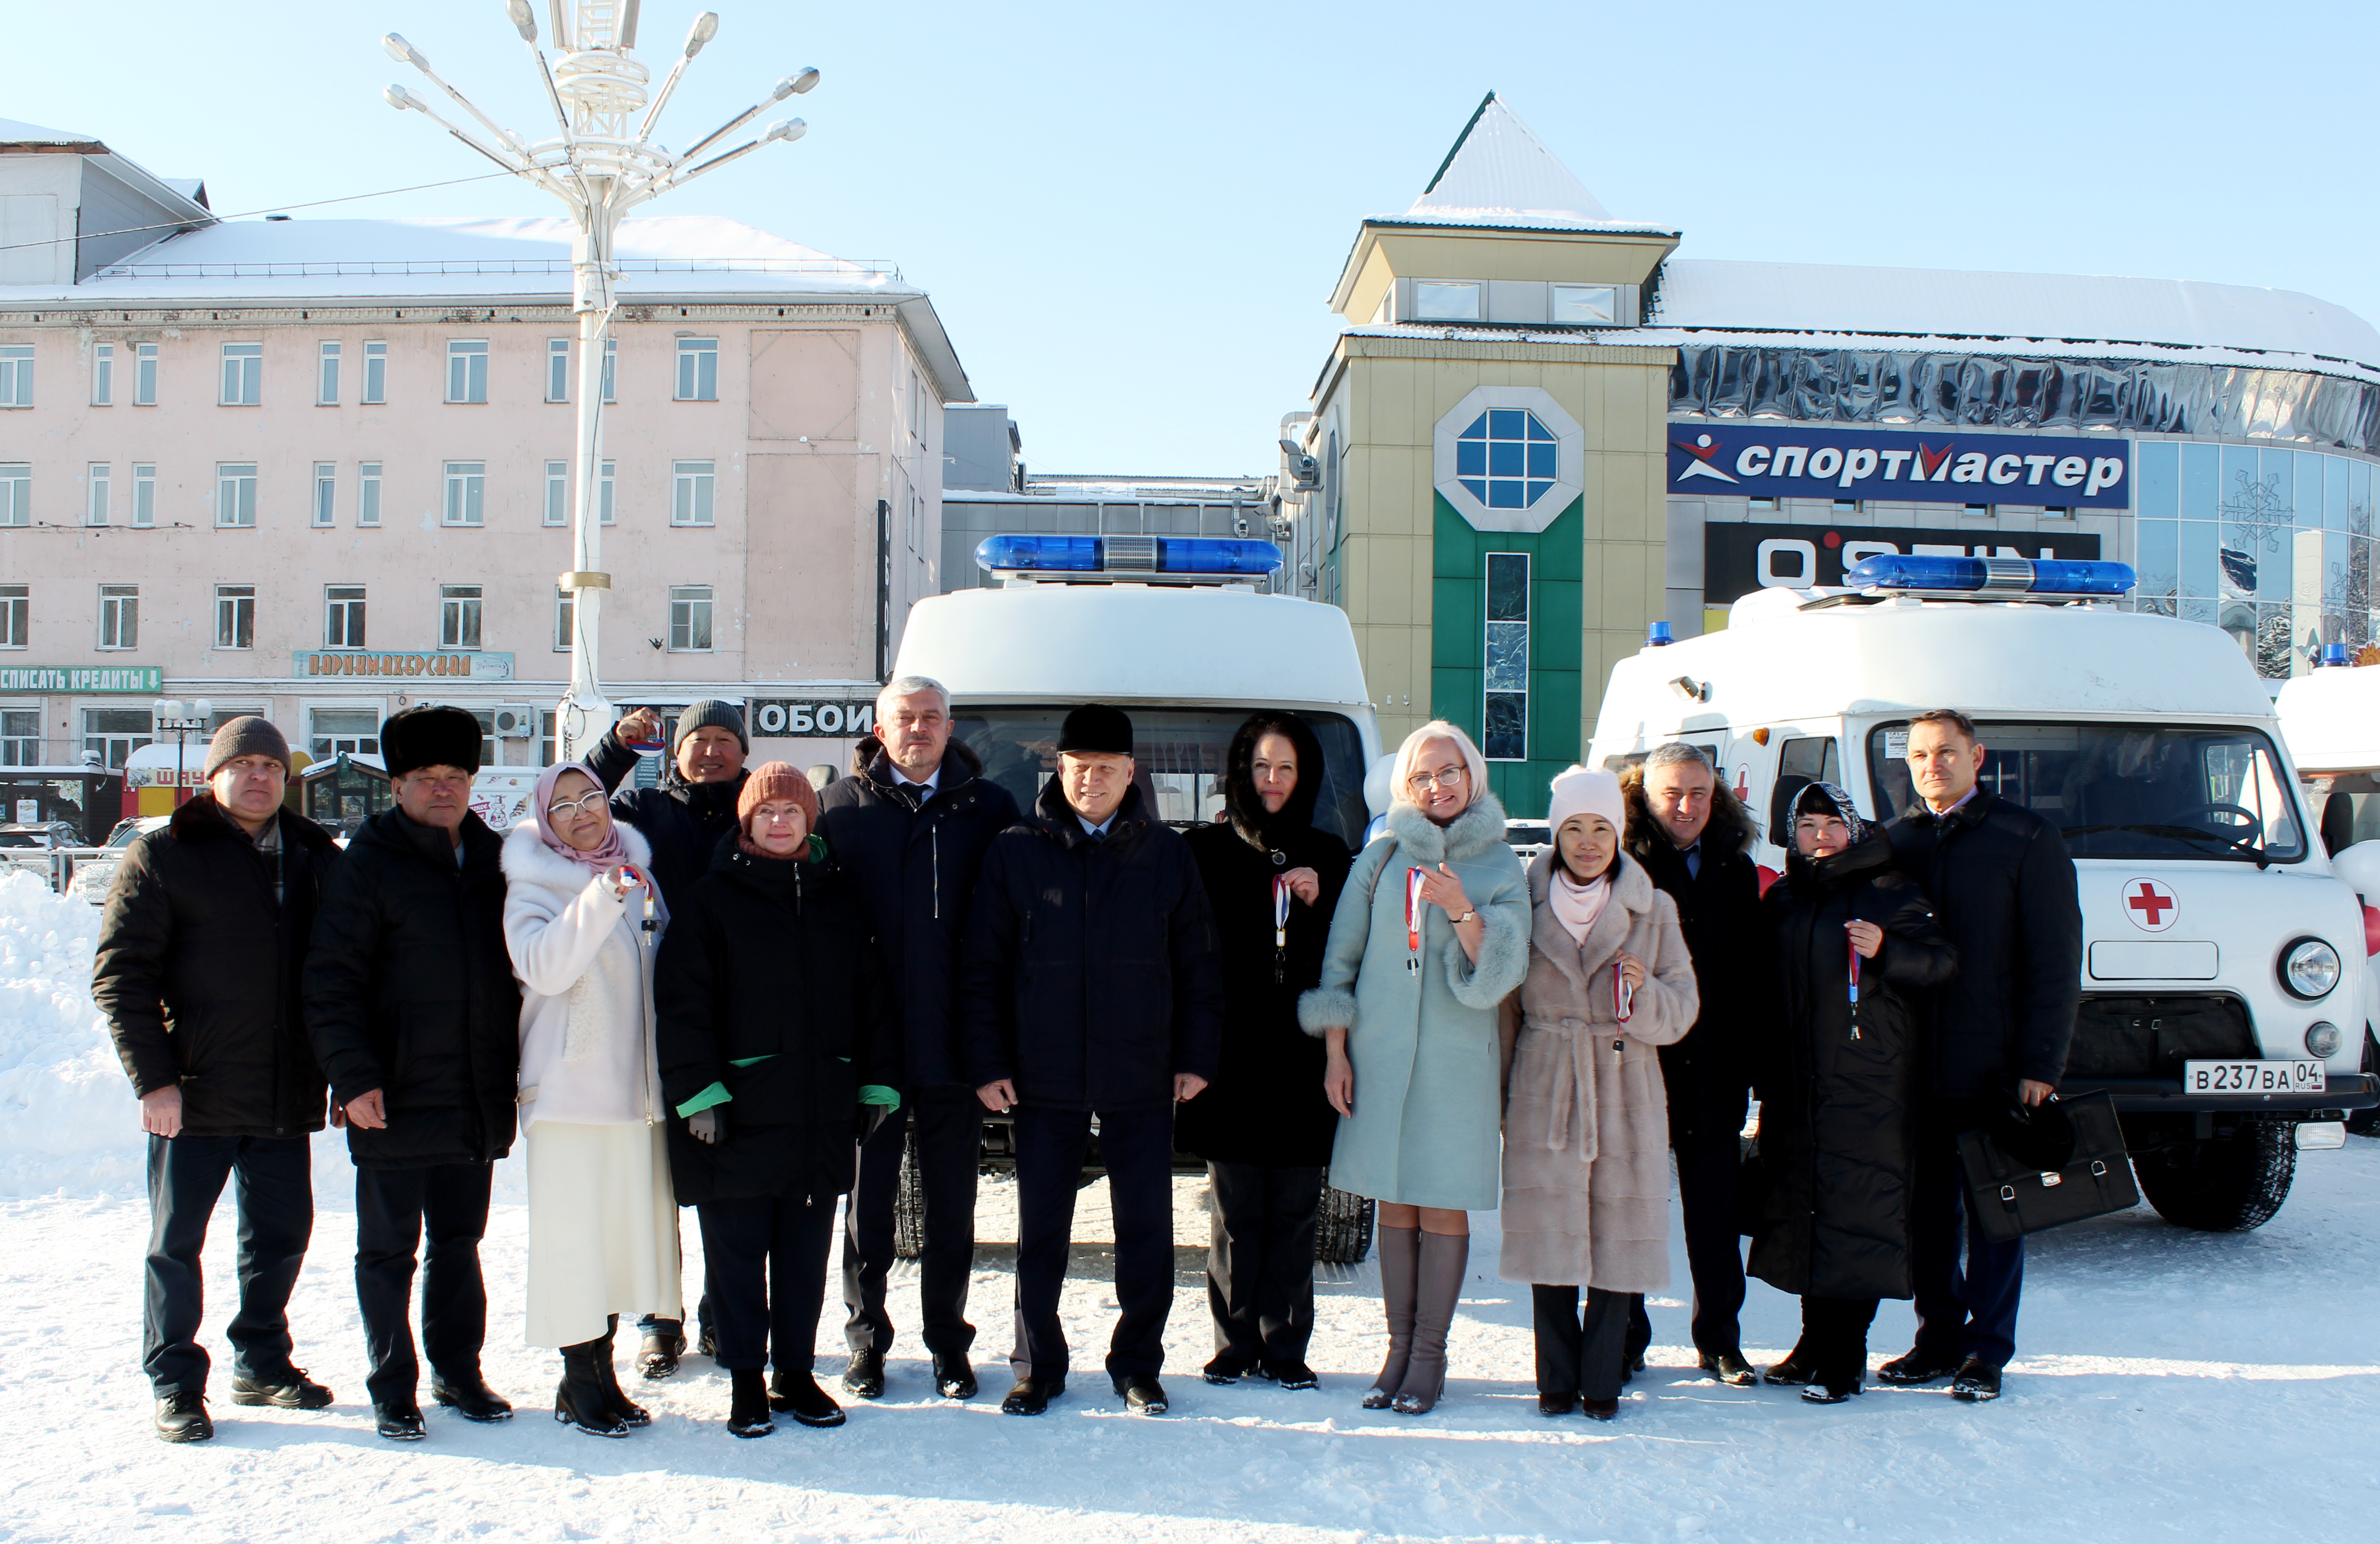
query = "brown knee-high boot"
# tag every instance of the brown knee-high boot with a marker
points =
(1400, 1251)
(1438, 1287)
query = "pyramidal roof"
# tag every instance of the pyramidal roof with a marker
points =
(1500, 173)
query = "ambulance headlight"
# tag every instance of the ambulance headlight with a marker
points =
(2309, 969)
(2322, 1041)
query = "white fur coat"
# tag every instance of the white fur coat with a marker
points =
(585, 962)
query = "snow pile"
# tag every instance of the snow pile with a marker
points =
(68, 1118)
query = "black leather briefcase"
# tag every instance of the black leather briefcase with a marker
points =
(2040, 1167)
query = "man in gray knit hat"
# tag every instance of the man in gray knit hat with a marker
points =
(200, 947)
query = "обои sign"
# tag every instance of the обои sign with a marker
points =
(359, 662)
(87, 679)
(1780, 460)
(1739, 557)
(782, 716)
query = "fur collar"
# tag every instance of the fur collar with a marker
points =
(1422, 840)
(1631, 896)
(528, 860)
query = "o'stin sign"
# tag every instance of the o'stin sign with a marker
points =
(799, 718)
(1783, 460)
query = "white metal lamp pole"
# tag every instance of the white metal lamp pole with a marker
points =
(600, 168)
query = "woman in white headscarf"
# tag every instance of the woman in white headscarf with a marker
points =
(1587, 1121)
(582, 920)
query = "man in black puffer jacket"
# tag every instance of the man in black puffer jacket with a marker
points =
(416, 1019)
(1090, 985)
(201, 948)
(910, 827)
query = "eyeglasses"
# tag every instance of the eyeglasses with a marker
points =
(586, 803)
(1445, 777)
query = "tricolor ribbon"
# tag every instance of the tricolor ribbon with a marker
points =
(1413, 918)
(1280, 896)
(1855, 962)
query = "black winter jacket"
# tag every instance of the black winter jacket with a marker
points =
(914, 868)
(769, 959)
(198, 970)
(1708, 1071)
(2004, 891)
(1089, 976)
(683, 822)
(1267, 1106)
(409, 989)
(1837, 1113)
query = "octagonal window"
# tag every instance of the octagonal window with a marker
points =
(1507, 459)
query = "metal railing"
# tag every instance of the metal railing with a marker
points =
(840, 268)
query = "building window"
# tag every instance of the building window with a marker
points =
(917, 406)
(144, 375)
(547, 731)
(1760, 503)
(20, 737)
(16, 493)
(326, 492)
(343, 731)
(697, 369)
(236, 493)
(1506, 713)
(611, 358)
(1847, 506)
(458, 616)
(103, 375)
(916, 519)
(235, 616)
(603, 496)
(326, 388)
(94, 512)
(557, 370)
(1507, 459)
(466, 489)
(376, 372)
(368, 494)
(557, 493)
(343, 616)
(691, 503)
(16, 620)
(563, 613)
(119, 616)
(689, 618)
(1585, 305)
(466, 372)
(1435, 300)
(144, 494)
(1979, 509)
(16, 376)
(243, 375)
(114, 733)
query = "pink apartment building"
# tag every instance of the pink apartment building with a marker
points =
(318, 468)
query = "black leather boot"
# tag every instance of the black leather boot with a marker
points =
(629, 1412)
(581, 1400)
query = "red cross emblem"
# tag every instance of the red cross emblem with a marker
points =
(2151, 905)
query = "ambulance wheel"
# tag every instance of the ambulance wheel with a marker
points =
(2227, 1184)
(1342, 1228)
(908, 1205)
(2366, 1123)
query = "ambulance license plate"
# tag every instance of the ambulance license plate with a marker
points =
(2253, 1077)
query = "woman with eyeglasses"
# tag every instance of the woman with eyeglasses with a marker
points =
(1429, 935)
(583, 923)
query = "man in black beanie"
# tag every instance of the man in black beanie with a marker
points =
(1118, 919)
(416, 1019)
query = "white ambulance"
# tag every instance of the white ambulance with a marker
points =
(2331, 722)
(2224, 968)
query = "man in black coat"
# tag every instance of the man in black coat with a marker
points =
(909, 829)
(415, 1016)
(2004, 889)
(201, 948)
(1693, 837)
(1089, 987)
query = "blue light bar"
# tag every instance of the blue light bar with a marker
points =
(1987, 577)
(1125, 555)
(1659, 635)
(2334, 654)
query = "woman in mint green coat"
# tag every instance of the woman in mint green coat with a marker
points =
(1431, 933)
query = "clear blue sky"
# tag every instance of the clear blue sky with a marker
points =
(1130, 217)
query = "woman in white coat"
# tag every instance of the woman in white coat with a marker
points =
(582, 920)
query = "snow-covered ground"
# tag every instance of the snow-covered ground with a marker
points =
(2168, 1385)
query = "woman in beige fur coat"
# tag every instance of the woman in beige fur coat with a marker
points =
(1587, 1124)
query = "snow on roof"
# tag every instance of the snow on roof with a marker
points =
(16, 132)
(2052, 309)
(1500, 173)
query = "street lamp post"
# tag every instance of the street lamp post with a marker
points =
(177, 718)
(600, 167)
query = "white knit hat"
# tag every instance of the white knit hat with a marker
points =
(1579, 791)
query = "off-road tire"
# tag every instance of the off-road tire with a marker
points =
(908, 1204)
(2228, 1185)
(1343, 1228)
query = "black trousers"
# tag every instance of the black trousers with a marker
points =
(1707, 1165)
(1962, 1311)
(395, 1208)
(764, 1276)
(1834, 1337)
(1584, 1355)
(949, 1128)
(1136, 1145)
(1260, 1259)
(275, 1197)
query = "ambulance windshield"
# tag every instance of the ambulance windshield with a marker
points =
(2127, 791)
(1178, 759)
